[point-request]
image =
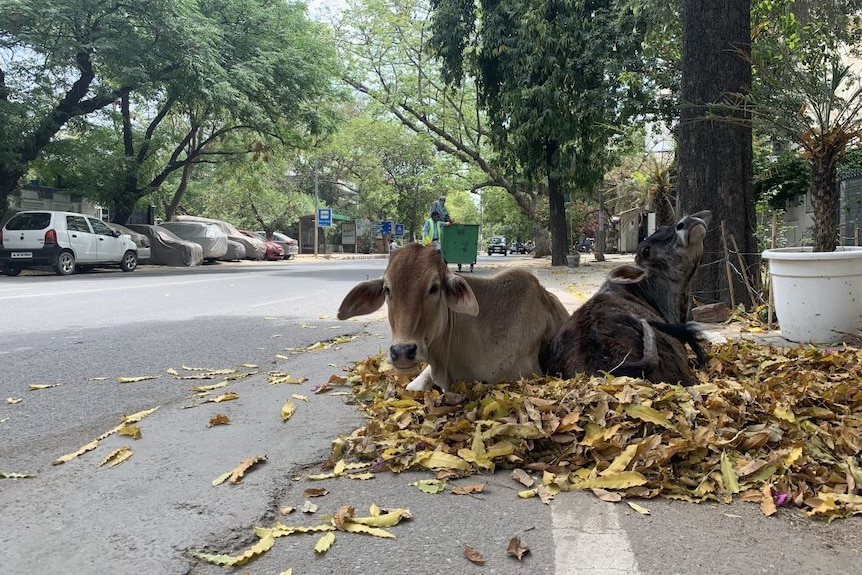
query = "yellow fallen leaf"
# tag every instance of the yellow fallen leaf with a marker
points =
(648, 414)
(10, 475)
(728, 474)
(38, 386)
(13, 400)
(622, 480)
(389, 519)
(137, 379)
(440, 460)
(70, 456)
(360, 528)
(229, 396)
(249, 365)
(429, 485)
(138, 416)
(325, 542)
(281, 356)
(287, 410)
(221, 478)
(96, 378)
(131, 431)
(767, 503)
(309, 507)
(205, 388)
(299, 397)
(239, 471)
(621, 461)
(521, 431)
(118, 456)
(262, 546)
(361, 476)
(171, 371)
(638, 508)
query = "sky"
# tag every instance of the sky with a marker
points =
(316, 7)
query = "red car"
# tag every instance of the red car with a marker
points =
(273, 250)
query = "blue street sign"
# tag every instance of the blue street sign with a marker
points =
(386, 228)
(324, 217)
(399, 230)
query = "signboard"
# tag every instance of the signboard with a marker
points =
(324, 217)
(348, 233)
(399, 230)
(375, 229)
(386, 228)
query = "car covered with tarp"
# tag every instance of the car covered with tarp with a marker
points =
(210, 236)
(168, 249)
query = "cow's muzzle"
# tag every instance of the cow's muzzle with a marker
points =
(403, 355)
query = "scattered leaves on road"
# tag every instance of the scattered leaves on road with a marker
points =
(126, 420)
(13, 400)
(229, 396)
(774, 426)
(287, 410)
(11, 475)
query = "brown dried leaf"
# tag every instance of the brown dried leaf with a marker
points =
(315, 492)
(523, 477)
(473, 555)
(468, 489)
(517, 548)
(220, 419)
(239, 471)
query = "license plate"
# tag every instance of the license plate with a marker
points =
(21, 255)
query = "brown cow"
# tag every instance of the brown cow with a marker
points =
(466, 328)
(635, 324)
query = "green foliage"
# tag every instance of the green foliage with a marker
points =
(500, 216)
(197, 83)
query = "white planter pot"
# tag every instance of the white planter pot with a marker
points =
(818, 295)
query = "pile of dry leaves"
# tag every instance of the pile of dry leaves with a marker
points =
(775, 426)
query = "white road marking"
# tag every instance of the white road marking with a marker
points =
(588, 539)
(273, 302)
(123, 287)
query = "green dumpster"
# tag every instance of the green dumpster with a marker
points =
(460, 244)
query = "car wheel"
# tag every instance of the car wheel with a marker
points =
(288, 256)
(10, 269)
(129, 261)
(65, 263)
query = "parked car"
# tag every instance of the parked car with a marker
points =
(62, 241)
(142, 241)
(287, 243)
(497, 245)
(209, 236)
(254, 247)
(235, 251)
(168, 249)
(518, 248)
(273, 250)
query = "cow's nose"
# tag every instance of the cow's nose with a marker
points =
(403, 351)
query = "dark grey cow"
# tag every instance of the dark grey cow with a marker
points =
(635, 324)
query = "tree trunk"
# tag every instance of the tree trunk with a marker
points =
(556, 208)
(824, 200)
(715, 155)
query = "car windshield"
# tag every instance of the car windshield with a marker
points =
(29, 221)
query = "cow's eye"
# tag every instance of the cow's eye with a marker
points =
(386, 292)
(645, 252)
(680, 226)
(434, 289)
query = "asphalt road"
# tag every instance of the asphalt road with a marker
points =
(149, 513)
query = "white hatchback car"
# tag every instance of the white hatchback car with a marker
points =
(62, 241)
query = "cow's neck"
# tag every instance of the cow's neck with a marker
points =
(441, 346)
(667, 303)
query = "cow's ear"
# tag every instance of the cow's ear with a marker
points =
(459, 296)
(364, 298)
(627, 274)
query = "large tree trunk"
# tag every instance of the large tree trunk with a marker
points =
(824, 172)
(715, 155)
(557, 209)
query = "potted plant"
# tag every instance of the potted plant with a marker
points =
(810, 96)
